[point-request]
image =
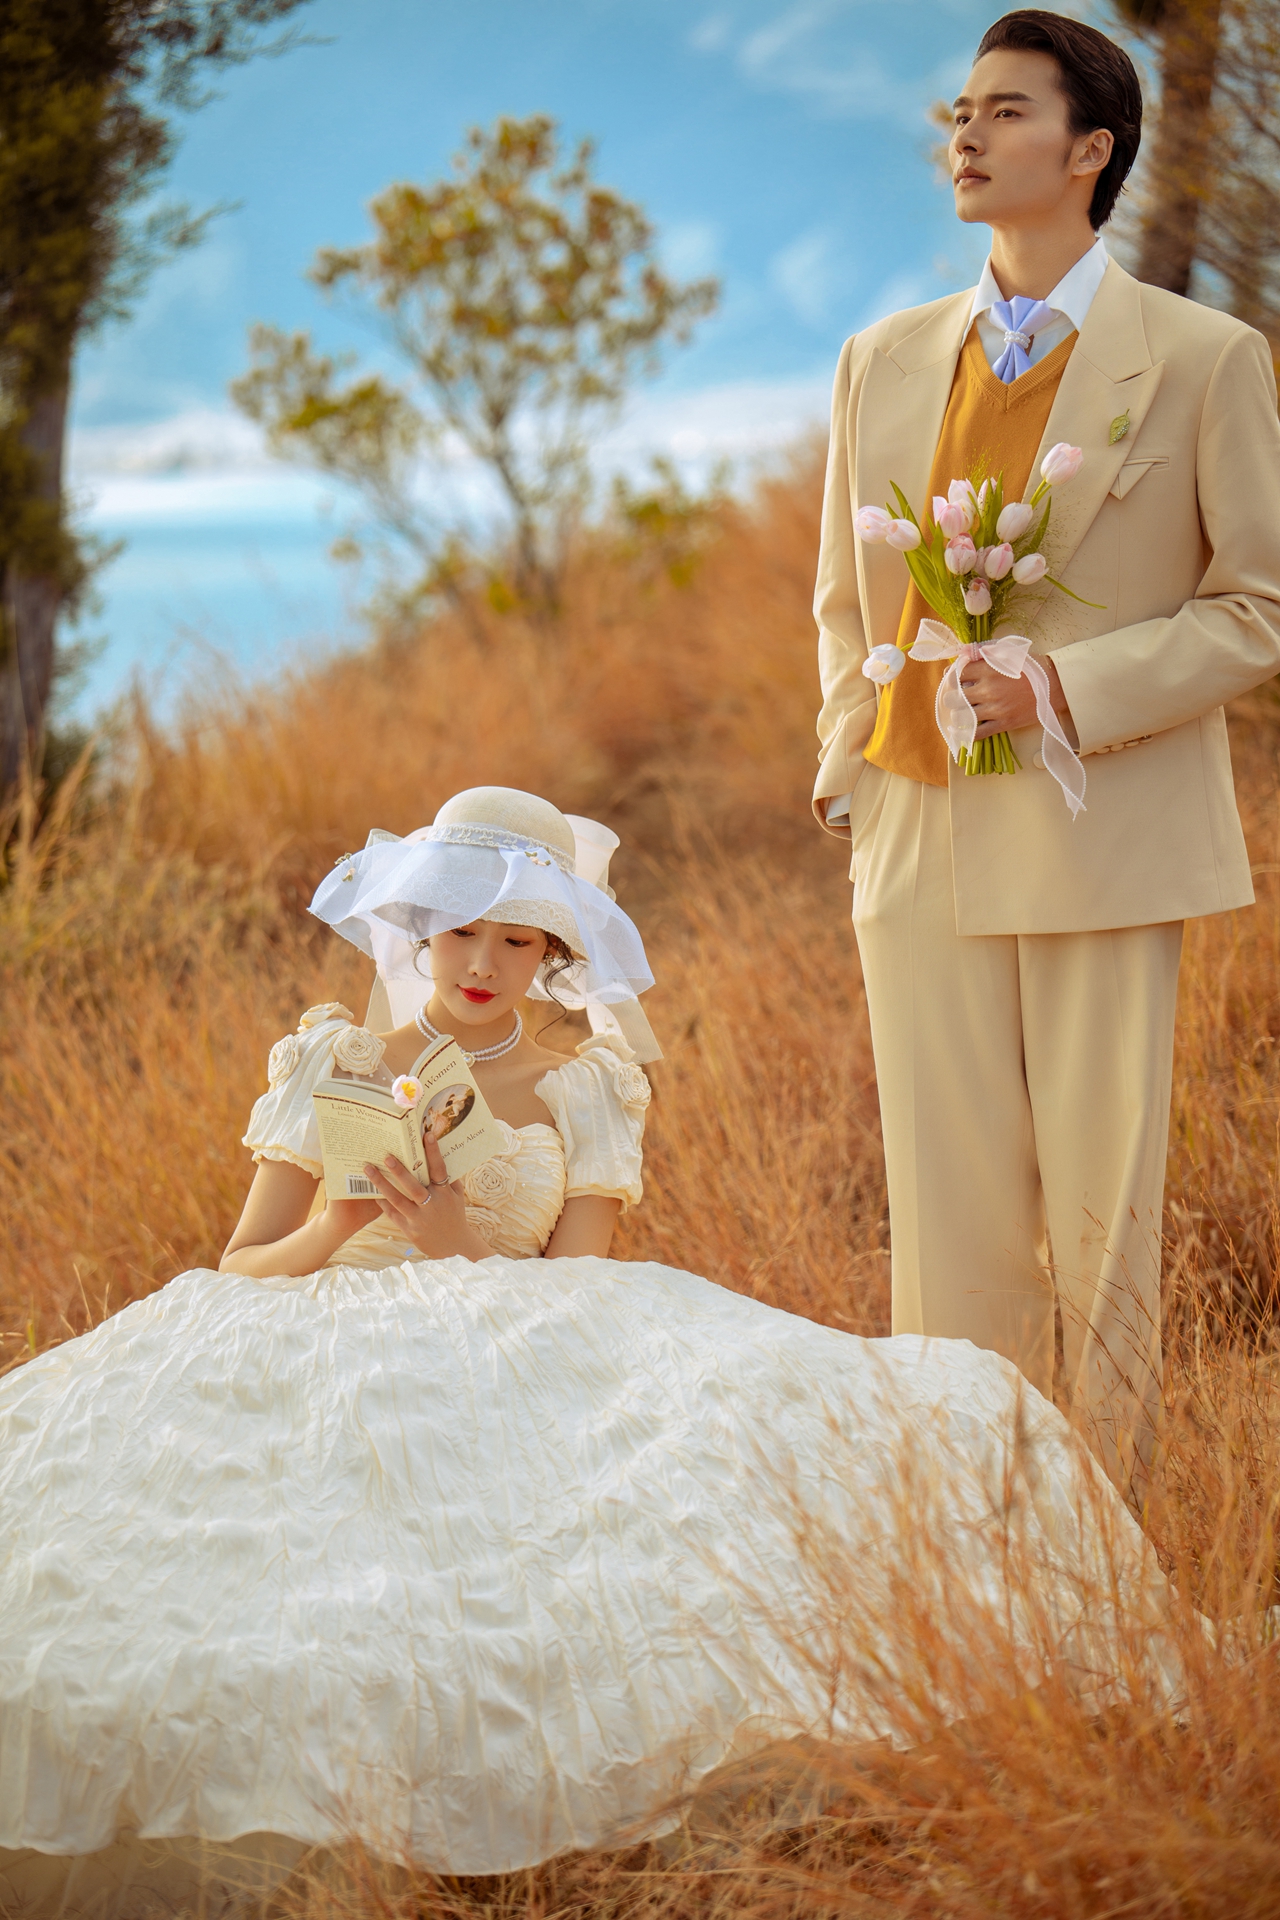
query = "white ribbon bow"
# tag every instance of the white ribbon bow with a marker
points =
(1010, 655)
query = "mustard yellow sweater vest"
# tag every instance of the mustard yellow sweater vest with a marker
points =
(988, 429)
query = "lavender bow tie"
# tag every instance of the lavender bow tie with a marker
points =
(1021, 319)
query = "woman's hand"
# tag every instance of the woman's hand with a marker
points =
(432, 1218)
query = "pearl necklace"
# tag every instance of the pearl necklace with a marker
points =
(481, 1054)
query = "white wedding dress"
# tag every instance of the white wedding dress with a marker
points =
(484, 1561)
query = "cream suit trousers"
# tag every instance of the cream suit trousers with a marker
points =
(1024, 1083)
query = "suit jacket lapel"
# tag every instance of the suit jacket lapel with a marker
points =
(1110, 373)
(900, 411)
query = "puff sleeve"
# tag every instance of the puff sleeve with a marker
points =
(598, 1102)
(282, 1125)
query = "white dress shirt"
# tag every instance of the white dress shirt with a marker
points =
(1071, 300)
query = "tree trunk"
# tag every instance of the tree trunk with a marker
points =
(1190, 35)
(29, 604)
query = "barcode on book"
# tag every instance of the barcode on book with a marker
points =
(358, 1188)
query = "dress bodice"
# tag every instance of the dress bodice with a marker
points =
(597, 1100)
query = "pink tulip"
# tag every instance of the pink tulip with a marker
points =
(872, 524)
(961, 494)
(951, 519)
(1061, 463)
(977, 598)
(960, 555)
(997, 561)
(1014, 520)
(904, 535)
(883, 664)
(1031, 567)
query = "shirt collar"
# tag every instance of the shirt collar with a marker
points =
(1073, 295)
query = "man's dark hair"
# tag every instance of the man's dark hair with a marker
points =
(1099, 81)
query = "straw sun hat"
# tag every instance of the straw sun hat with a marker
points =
(495, 853)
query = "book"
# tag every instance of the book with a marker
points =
(360, 1120)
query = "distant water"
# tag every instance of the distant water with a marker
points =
(241, 576)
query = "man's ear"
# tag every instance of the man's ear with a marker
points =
(1094, 151)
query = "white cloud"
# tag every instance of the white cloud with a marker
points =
(806, 50)
(803, 273)
(197, 440)
(741, 420)
(711, 34)
(209, 468)
(690, 248)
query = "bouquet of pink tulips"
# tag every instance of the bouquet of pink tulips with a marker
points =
(968, 563)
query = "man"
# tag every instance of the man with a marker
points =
(1021, 965)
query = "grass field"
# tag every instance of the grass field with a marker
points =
(154, 942)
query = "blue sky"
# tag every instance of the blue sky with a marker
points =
(780, 146)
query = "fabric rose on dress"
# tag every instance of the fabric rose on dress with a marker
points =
(327, 1010)
(359, 1051)
(282, 1060)
(492, 1182)
(485, 1221)
(633, 1086)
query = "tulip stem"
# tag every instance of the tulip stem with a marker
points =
(993, 755)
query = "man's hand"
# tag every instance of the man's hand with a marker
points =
(1004, 705)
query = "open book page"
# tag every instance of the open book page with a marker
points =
(360, 1121)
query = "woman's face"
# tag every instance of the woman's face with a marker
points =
(483, 970)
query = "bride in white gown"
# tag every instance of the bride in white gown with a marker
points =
(424, 1521)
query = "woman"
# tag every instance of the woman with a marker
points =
(424, 1521)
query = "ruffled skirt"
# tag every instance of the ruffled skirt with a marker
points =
(483, 1562)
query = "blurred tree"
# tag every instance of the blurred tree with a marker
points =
(525, 298)
(664, 529)
(1189, 35)
(81, 144)
(1212, 181)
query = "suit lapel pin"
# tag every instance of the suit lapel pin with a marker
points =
(1119, 428)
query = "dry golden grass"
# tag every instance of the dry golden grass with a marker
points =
(154, 941)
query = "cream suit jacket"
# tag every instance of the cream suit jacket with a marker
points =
(1174, 529)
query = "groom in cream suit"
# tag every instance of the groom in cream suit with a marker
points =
(1021, 965)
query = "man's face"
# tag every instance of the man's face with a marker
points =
(1011, 151)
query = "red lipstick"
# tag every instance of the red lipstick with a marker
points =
(477, 995)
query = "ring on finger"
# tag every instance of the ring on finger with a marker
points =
(426, 1200)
